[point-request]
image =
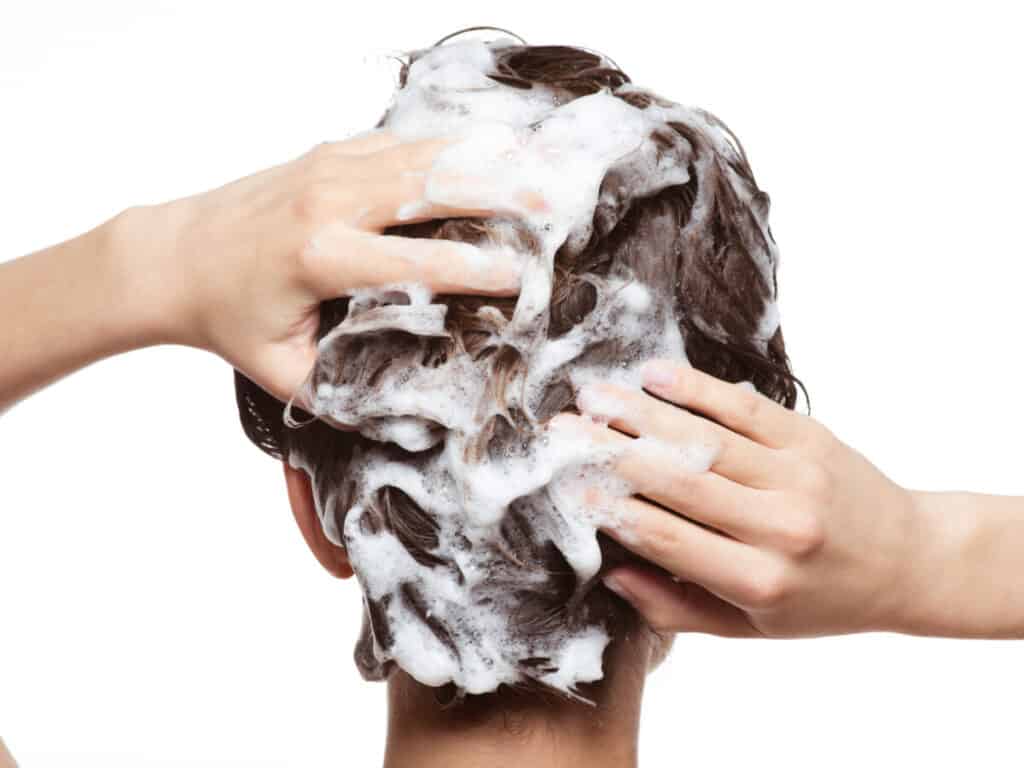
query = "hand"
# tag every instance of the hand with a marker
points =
(241, 270)
(789, 533)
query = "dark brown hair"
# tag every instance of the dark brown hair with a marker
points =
(715, 279)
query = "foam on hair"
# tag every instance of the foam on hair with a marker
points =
(460, 507)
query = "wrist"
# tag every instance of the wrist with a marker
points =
(963, 579)
(142, 245)
(75, 303)
(925, 605)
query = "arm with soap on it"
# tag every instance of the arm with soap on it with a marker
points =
(790, 532)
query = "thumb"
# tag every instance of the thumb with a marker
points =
(283, 369)
(671, 606)
(287, 374)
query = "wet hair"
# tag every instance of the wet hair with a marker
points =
(703, 247)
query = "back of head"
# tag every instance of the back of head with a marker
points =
(460, 510)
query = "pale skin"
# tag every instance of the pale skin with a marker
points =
(240, 270)
(792, 533)
(789, 533)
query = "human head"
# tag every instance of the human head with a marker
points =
(451, 500)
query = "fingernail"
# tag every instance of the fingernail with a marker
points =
(508, 267)
(659, 373)
(560, 420)
(616, 586)
(496, 268)
(598, 403)
(564, 423)
(536, 202)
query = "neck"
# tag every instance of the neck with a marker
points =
(511, 728)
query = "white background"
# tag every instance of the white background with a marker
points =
(157, 604)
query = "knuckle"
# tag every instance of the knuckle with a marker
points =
(410, 185)
(309, 262)
(311, 164)
(688, 390)
(750, 406)
(663, 542)
(662, 618)
(817, 437)
(320, 154)
(683, 485)
(325, 162)
(767, 587)
(816, 483)
(310, 203)
(803, 534)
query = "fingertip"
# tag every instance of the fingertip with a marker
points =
(671, 605)
(612, 581)
(657, 606)
(660, 373)
(563, 420)
(577, 425)
(637, 579)
(600, 401)
(535, 201)
(288, 373)
(493, 271)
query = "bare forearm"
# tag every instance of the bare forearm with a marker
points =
(817, 539)
(970, 582)
(241, 270)
(72, 304)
